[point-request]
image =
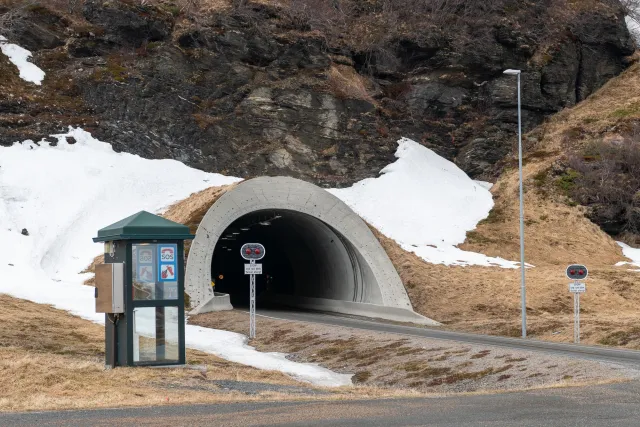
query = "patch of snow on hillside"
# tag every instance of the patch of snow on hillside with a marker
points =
(63, 195)
(484, 184)
(20, 58)
(631, 253)
(426, 204)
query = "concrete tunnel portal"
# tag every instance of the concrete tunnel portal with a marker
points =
(319, 255)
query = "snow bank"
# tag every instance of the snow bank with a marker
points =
(426, 204)
(631, 253)
(20, 58)
(62, 195)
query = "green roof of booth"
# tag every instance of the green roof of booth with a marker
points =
(144, 226)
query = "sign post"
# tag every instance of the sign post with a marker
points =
(577, 272)
(252, 252)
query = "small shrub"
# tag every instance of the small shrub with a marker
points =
(540, 179)
(567, 181)
(361, 377)
(496, 215)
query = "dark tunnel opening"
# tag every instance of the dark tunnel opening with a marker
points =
(304, 258)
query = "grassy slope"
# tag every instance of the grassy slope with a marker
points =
(50, 359)
(558, 233)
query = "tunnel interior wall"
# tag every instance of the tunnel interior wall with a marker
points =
(304, 257)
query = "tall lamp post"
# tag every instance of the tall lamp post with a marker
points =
(523, 291)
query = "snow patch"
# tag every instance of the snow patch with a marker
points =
(484, 184)
(426, 204)
(63, 194)
(20, 58)
(631, 253)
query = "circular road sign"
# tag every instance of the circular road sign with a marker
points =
(577, 272)
(252, 251)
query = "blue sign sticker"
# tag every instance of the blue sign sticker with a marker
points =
(167, 254)
(146, 274)
(145, 255)
(168, 263)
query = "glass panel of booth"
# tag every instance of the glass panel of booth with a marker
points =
(155, 334)
(155, 271)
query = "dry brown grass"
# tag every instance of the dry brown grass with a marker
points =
(50, 359)
(398, 362)
(191, 210)
(345, 83)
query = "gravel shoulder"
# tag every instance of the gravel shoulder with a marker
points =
(399, 362)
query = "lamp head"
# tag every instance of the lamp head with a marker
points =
(511, 72)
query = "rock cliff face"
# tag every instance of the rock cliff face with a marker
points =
(251, 90)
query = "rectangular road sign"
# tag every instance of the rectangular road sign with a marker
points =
(253, 269)
(577, 288)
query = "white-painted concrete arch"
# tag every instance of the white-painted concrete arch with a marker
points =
(372, 288)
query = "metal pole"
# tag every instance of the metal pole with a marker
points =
(523, 292)
(576, 317)
(252, 304)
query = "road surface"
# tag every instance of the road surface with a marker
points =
(610, 405)
(604, 354)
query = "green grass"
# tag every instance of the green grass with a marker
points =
(567, 181)
(625, 112)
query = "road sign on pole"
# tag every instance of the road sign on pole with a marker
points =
(252, 252)
(577, 272)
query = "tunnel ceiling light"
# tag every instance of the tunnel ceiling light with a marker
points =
(244, 229)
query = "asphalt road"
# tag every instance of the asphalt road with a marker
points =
(611, 405)
(627, 357)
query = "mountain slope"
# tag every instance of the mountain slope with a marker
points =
(316, 90)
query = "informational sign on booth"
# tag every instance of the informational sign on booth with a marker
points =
(167, 263)
(145, 256)
(145, 274)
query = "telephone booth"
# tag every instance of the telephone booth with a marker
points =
(140, 288)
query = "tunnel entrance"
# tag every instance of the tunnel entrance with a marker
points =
(304, 258)
(320, 254)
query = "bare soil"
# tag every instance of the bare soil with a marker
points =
(425, 365)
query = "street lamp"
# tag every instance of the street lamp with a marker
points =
(523, 292)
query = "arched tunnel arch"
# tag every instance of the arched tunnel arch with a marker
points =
(319, 253)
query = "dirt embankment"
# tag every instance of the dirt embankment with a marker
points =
(397, 362)
(50, 359)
